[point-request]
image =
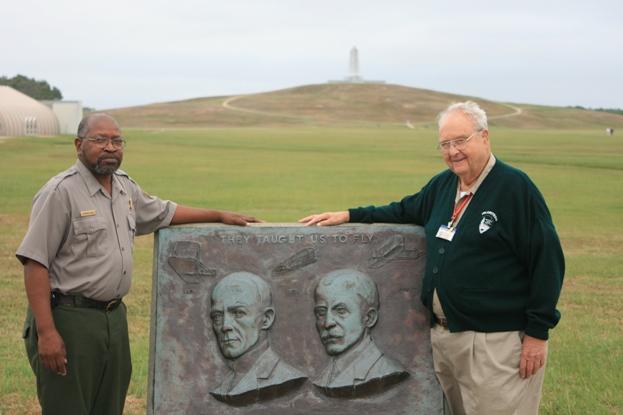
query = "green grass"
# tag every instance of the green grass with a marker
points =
(284, 174)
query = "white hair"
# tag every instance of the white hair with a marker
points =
(473, 111)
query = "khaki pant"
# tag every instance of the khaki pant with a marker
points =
(98, 362)
(479, 373)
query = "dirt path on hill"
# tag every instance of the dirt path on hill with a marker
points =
(230, 107)
(226, 104)
(517, 111)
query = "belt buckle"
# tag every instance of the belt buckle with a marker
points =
(112, 303)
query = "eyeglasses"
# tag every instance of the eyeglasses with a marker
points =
(459, 144)
(102, 142)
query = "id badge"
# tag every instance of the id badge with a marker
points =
(446, 233)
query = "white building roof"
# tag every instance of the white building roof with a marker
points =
(21, 115)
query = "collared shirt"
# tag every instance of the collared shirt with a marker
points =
(268, 372)
(363, 364)
(238, 382)
(475, 186)
(85, 236)
(459, 195)
(340, 363)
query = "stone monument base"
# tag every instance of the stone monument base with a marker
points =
(257, 320)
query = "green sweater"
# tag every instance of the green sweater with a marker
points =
(504, 268)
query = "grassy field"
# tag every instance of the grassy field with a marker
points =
(284, 174)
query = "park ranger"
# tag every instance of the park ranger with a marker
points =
(77, 258)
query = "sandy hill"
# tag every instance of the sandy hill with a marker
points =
(347, 105)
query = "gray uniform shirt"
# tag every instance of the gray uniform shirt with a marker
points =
(85, 237)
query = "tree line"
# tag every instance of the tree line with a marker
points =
(39, 90)
(610, 110)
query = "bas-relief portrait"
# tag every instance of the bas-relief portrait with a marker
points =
(347, 309)
(242, 313)
(288, 319)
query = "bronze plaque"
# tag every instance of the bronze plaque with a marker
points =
(287, 319)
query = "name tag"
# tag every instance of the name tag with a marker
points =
(87, 213)
(446, 233)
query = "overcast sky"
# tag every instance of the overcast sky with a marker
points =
(119, 53)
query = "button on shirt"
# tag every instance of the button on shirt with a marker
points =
(85, 237)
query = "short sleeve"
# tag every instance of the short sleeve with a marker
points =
(47, 231)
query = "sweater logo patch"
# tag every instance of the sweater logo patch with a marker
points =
(488, 220)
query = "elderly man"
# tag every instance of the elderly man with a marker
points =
(242, 313)
(77, 258)
(347, 308)
(494, 269)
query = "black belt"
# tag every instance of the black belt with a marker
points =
(80, 301)
(441, 321)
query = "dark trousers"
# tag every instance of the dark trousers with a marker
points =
(99, 366)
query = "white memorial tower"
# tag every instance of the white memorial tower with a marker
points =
(354, 77)
(353, 68)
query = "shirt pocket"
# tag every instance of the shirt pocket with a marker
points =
(91, 237)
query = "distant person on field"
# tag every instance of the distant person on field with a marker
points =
(494, 270)
(77, 258)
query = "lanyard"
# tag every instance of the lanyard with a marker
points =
(458, 210)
